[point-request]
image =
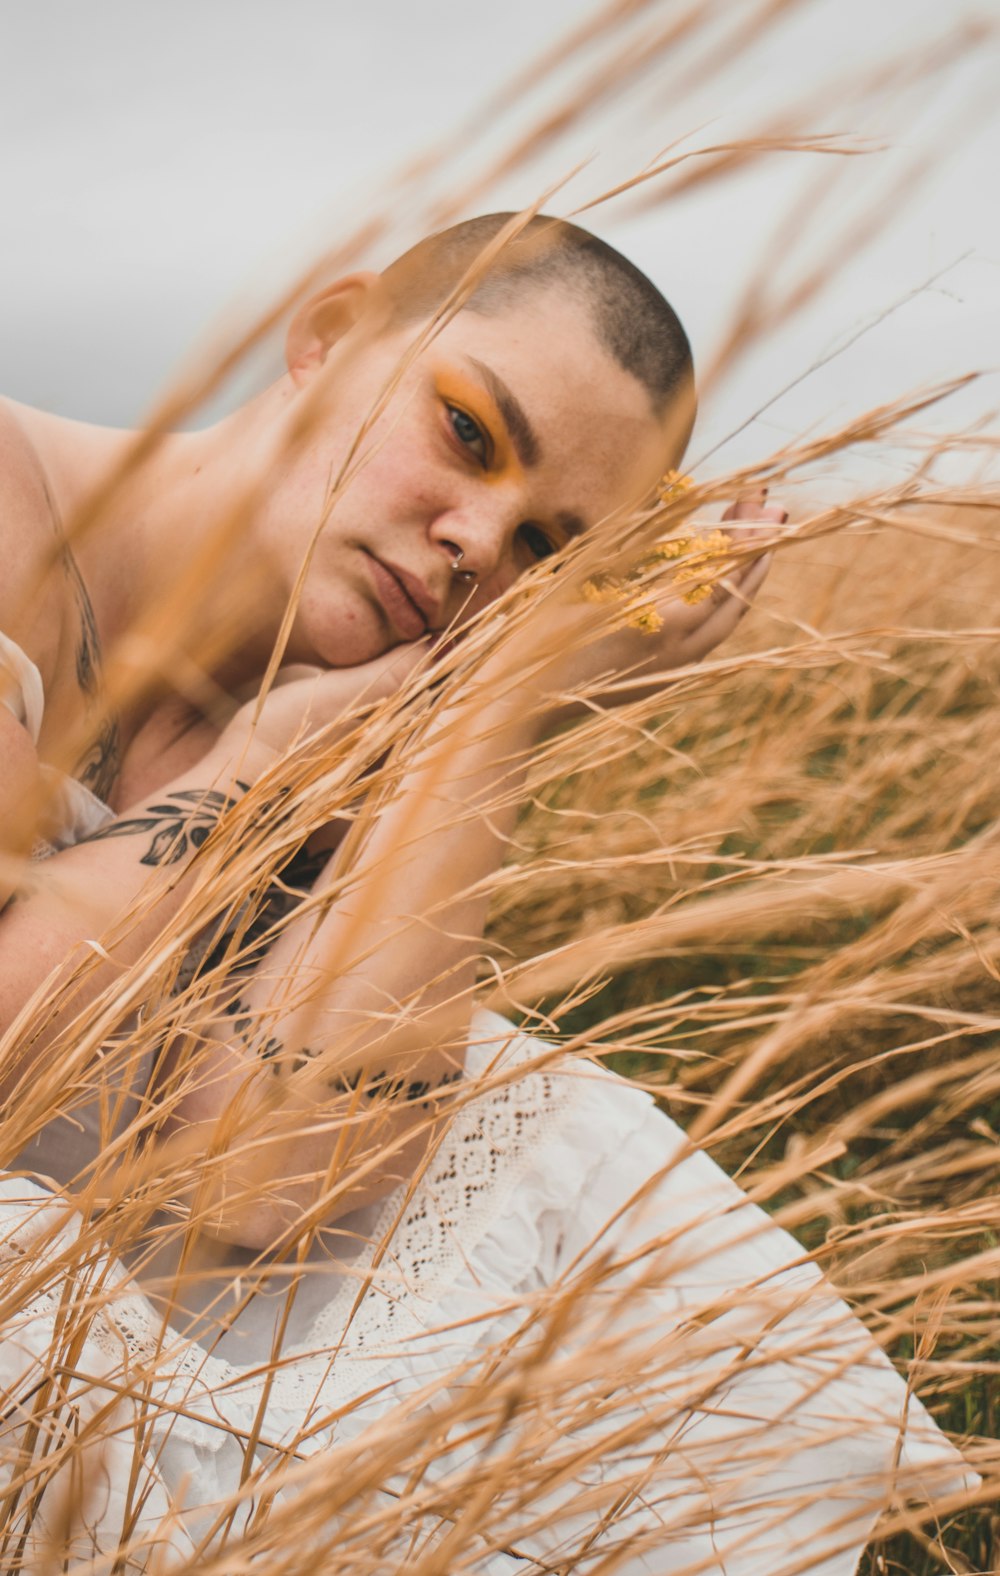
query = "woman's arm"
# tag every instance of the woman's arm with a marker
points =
(86, 893)
(355, 1026)
(324, 1099)
(123, 886)
(363, 1014)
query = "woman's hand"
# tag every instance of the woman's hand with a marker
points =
(305, 700)
(691, 632)
(688, 632)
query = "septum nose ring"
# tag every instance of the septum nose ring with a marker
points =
(467, 576)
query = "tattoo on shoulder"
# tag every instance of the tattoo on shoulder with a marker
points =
(178, 827)
(99, 767)
(88, 649)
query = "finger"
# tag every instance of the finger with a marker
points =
(747, 507)
(738, 576)
(754, 506)
(744, 583)
(730, 596)
(752, 577)
(372, 681)
(735, 598)
(294, 673)
(388, 672)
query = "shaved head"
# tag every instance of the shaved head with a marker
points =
(634, 323)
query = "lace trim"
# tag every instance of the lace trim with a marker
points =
(466, 1187)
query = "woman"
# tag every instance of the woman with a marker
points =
(443, 427)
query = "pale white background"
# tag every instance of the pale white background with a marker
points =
(167, 166)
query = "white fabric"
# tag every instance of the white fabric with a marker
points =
(67, 1145)
(769, 1422)
(21, 686)
(767, 1430)
(77, 811)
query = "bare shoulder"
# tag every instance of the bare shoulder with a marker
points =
(31, 581)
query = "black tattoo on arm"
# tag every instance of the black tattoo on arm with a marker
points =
(378, 1086)
(179, 826)
(267, 1047)
(290, 886)
(381, 1087)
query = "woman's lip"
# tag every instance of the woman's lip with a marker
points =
(397, 603)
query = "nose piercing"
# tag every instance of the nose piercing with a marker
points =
(467, 576)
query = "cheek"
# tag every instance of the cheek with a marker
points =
(615, 462)
(496, 585)
(406, 481)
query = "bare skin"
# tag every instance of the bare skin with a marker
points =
(448, 472)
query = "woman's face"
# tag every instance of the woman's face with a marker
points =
(509, 435)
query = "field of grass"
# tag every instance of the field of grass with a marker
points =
(798, 866)
(767, 892)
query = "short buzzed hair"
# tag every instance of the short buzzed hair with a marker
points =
(631, 319)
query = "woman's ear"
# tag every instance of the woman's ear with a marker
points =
(324, 319)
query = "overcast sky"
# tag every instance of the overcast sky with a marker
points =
(168, 165)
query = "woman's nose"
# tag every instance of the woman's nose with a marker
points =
(476, 539)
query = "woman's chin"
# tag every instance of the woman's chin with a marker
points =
(347, 634)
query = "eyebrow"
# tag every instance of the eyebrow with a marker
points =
(522, 434)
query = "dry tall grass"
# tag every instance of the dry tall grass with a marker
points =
(769, 893)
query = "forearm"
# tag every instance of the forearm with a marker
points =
(403, 931)
(120, 888)
(321, 1091)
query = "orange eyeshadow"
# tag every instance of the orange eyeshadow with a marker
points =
(468, 395)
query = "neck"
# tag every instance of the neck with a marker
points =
(153, 531)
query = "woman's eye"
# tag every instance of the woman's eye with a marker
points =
(540, 544)
(469, 433)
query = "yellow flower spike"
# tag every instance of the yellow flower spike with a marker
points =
(674, 547)
(645, 619)
(672, 485)
(602, 591)
(705, 550)
(715, 542)
(692, 555)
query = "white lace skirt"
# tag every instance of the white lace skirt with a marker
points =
(703, 1402)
